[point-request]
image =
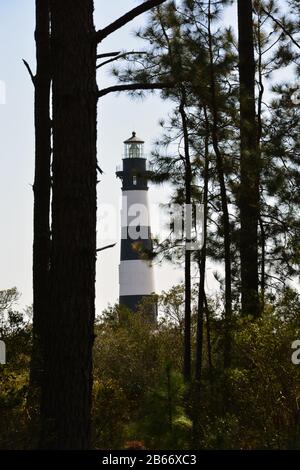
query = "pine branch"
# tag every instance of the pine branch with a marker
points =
(123, 20)
(133, 87)
(120, 56)
(276, 21)
(108, 54)
(29, 71)
(105, 247)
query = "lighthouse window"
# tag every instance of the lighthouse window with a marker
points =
(134, 180)
(134, 151)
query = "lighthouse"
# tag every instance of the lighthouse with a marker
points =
(136, 280)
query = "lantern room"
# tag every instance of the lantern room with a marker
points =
(134, 147)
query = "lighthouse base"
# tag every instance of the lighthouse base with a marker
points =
(148, 303)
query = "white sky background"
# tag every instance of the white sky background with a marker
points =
(118, 116)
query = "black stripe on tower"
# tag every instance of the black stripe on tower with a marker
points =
(137, 247)
(134, 174)
(132, 302)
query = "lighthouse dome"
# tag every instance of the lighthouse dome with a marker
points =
(134, 147)
(134, 139)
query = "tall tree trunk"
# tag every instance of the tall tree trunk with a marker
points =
(208, 339)
(224, 203)
(202, 261)
(187, 356)
(263, 262)
(201, 301)
(249, 163)
(66, 400)
(262, 237)
(41, 188)
(187, 266)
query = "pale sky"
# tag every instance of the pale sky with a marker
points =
(118, 116)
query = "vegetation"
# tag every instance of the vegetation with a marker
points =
(139, 392)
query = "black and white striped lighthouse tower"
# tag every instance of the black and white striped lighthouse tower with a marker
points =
(135, 271)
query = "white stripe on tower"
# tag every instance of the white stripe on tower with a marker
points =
(135, 206)
(136, 278)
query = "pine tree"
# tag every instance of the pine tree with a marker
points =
(41, 188)
(249, 162)
(67, 380)
(66, 400)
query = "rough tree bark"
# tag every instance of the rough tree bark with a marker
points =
(249, 163)
(41, 189)
(66, 399)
